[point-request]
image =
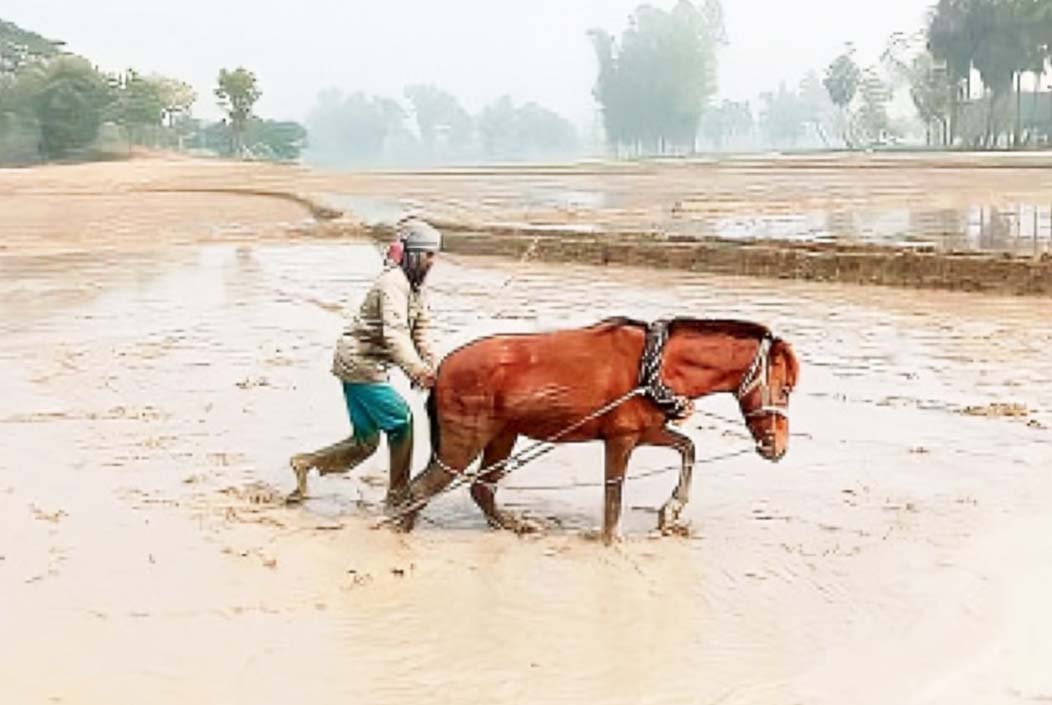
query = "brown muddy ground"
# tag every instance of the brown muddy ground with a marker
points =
(152, 391)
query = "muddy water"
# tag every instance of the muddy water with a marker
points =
(899, 553)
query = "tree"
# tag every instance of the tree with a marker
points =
(178, 98)
(140, 104)
(781, 117)
(510, 132)
(68, 99)
(929, 90)
(441, 121)
(952, 39)
(19, 47)
(870, 123)
(237, 93)
(841, 82)
(816, 108)
(274, 139)
(354, 129)
(654, 83)
(726, 122)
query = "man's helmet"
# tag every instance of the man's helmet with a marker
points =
(419, 236)
(418, 239)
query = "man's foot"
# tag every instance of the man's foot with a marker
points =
(398, 506)
(300, 465)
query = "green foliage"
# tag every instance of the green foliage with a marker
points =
(930, 92)
(352, 129)
(842, 79)
(68, 99)
(529, 131)
(782, 117)
(177, 98)
(19, 47)
(870, 124)
(358, 130)
(729, 121)
(237, 92)
(58, 106)
(445, 127)
(1001, 40)
(19, 139)
(140, 102)
(274, 139)
(654, 83)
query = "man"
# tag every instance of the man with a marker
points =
(391, 328)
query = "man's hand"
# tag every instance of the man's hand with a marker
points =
(424, 380)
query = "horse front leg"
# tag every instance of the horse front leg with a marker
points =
(618, 451)
(668, 516)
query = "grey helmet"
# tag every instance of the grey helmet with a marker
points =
(418, 238)
(417, 235)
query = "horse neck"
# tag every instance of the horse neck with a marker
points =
(697, 363)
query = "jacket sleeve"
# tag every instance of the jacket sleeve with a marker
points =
(394, 322)
(422, 333)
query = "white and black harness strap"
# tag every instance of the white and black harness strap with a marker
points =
(673, 405)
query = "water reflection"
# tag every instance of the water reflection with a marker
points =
(1019, 228)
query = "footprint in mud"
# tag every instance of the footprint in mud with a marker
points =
(997, 409)
(42, 515)
(256, 493)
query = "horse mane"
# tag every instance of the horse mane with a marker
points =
(725, 326)
(792, 365)
(721, 326)
(620, 322)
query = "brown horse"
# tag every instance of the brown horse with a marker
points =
(619, 381)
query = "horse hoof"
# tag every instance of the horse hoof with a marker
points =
(296, 497)
(668, 516)
(403, 525)
(599, 535)
(516, 523)
(675, 528)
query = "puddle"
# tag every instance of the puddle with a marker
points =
(569, 199)
(372, 211)
(1019, 229)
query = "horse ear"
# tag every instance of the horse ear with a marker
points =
(792, 365)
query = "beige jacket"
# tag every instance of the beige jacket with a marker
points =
(391, 328)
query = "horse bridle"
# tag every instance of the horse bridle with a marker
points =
(759, 375)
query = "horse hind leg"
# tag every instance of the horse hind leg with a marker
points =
(484, 490)
(436, 477)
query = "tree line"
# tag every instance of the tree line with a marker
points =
(56, 105)
(430, 126)
(972, 74)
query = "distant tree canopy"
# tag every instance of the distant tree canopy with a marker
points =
(237, 91)
(19, 47)
(443, 124)
(654, 83)
(356, 129)
(56, 105)
(999, 39)
(727, 123)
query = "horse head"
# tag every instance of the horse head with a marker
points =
(763, 396)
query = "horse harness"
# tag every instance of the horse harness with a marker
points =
(674, 406)
(677, 407)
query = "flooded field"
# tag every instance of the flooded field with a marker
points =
(902, 552)
(994, 203)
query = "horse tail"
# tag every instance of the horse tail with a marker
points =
(432, 414)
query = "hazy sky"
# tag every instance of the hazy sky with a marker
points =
(476, 49)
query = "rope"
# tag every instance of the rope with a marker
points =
(627, 478)
(513, 462)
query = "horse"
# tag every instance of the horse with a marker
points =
(620, 381)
